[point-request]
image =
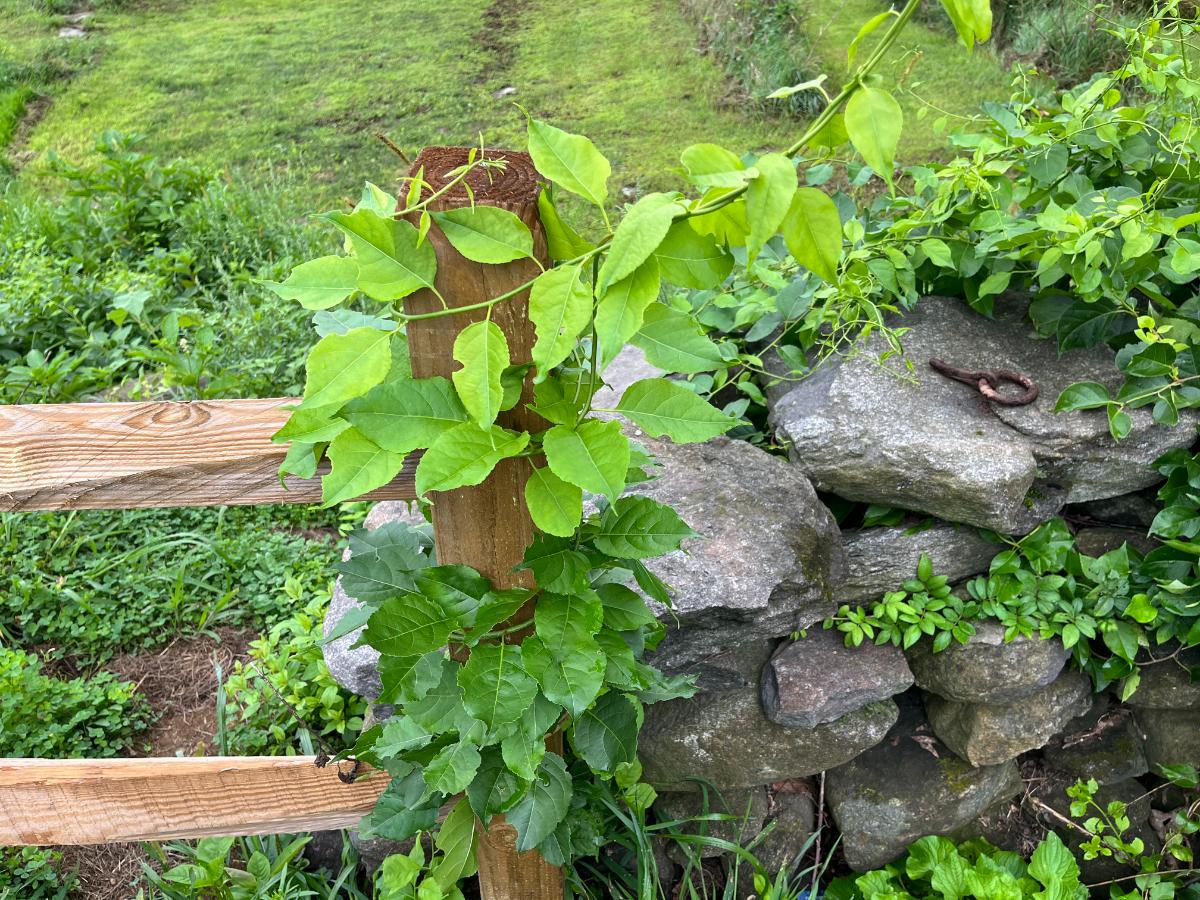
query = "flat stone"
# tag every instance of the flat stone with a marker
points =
(987, 669)
(768, 559)
(748, 807)
(1103, 744)
(818, 679)
(1168, 684)
(880, 434)
(1171, 736)
(725, 738)
(989, 734)
(907, 786)
(879, 560)
(1097, 541)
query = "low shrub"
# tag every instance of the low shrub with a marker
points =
(32, 873)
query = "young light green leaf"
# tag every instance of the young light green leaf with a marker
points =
(606, 735)
(562, 241)
(496, 688)
(812, 231)
(377, 200)
(873, 122)
(312, 426)
(409, 625)
(391, 265)
(483, 352)
(938, 252)
(871, 24)
(343, 366)
(768, 199)
(621, 309)
(486, 234)
(319, 283)
(465, 455)
(544, 805)
(637, 237)
(709, 165)
(455, 766)
(402, 416)
(783, 93)
(972, 19)
(692, 260)
(594, 456)
(674, 342)
(560, 305)
(456, 840)
(659, 407)
(640, 528)
(359, 466)
(571, 161)
(555, 506)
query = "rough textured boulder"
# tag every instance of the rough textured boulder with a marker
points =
(793, 814)
(768, 559)
(877, 433)
(748, 807)
(1169, 685)
(724, 737)
(879, 560)
(818, 679)
(988, 669)
(987, 734)
(1172, 736)
(908, 786)
(1103, 744)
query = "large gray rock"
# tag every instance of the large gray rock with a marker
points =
(725, 738)
(747, 809)
(879, 560)
(818, 679)
(1104, 744)
(987, 734)
(881, 434)
(987, 669)
(906, 787)
(1168, 684)
(792, 820)
(1172, 736)
(768, 559)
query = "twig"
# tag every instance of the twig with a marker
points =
(391, 145)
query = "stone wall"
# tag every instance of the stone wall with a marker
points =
(976, 740)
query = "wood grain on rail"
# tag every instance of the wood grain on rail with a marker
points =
(154, 454)
(51, 801)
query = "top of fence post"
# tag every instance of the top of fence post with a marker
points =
(487, 526)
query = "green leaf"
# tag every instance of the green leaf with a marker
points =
(624, 608)
(562, 620)
(319, 283)
(673, 341)
(938, 252)
(486, 234)
(359, 466)
(562, 241)
(483, 352)
(1082, 395)
(454, 767)
(555, 506)
(690, 259)
(390, 264)
(440, 709)
(496, 688)
(637, 237)
(594, 456)
(639, 528)
(407, 414)
(523, 753)
(399, 736)
(709, 165)
(1123, 639)
(400, 812)
(972, 19)
(494, 788)
(622, 308)
(1119, 422)
(871, 24)
(465, 455)
(661, 407)
(409, 679)
(456, 840)
(813, 232)
(343, 366)
(1141, 610)
(556, 565)
(873, 121)
(606, 735)
(456, 589)
(544, 805)
(560, 305)
(409, 625)
(768, 199)
(573, 679)
(1053, 865)
(498, 606)
(571, 161)
(311, 426)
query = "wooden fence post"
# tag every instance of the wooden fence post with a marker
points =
(487, 527)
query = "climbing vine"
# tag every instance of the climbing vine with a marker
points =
(476, 696)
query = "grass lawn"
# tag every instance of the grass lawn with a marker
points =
(251, 85)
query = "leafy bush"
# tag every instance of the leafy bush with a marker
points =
(31, 873)
(92, 584)
(65, 718)
(256, 718)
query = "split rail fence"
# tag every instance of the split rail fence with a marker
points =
(205, 453)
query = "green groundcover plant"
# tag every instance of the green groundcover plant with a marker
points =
(476, 729)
